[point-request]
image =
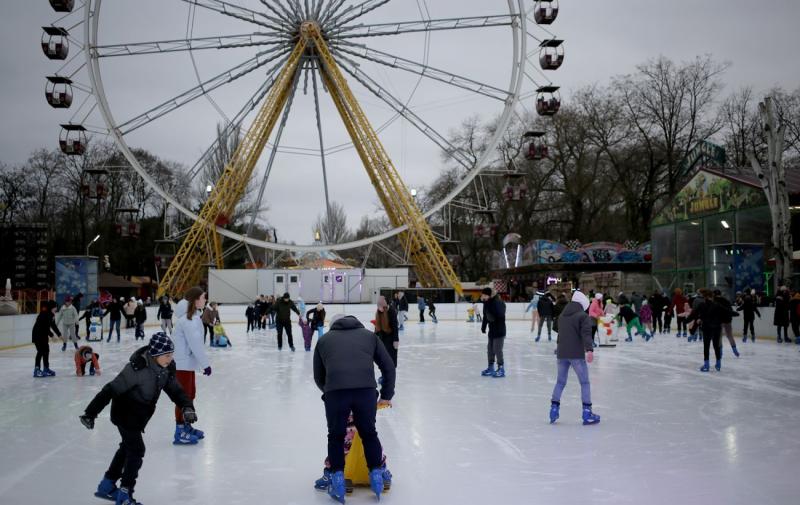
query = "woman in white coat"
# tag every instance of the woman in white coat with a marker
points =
(190, 355)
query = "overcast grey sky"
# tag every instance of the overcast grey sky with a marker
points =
(603, 39)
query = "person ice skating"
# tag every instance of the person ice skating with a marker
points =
(421, 306)
(532, 307)
(678, 303)
(432, 311)
(164, 314)
(139, 318)
(67, 320)
(344, 361)
(545, 310)
(250, 315)
(402, 309)
(596, 312)
(92, 310)
(190, 355)
(574, 350)
(86, 355)
(133, 395)
(317, 315)
(794, 315)
(44, 326)
(129, 309)
(669, 312)
(632, 321)
(210, 317)
(494, 317)
(726, 317)
(749, 310)
(657, 304)
(646, 316)
(696, 330)
(283, 319)
(781, 316)
(386, 327)
(114, 311)
(710, 315)
(221, 338)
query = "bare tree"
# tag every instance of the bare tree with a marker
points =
(773, 180)
(15, 193)
(332, 226)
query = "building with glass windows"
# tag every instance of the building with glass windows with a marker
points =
(717, 233)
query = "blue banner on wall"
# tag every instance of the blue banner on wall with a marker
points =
(748, 267)
(76, 274)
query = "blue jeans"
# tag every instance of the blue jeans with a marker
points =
(320, 331)
(113, 323)
(581, 370)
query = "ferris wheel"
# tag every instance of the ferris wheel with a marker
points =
(372, 58)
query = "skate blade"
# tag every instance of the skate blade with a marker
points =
(105, 496)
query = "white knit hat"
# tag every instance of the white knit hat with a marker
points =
(579, 297)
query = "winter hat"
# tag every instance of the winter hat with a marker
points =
(50, 305)
(286, 296)
(382, 302)
(337, 317)
(160, 344)
(598, 296)
(319, 306)
(68, 299)
(486, 291)
(139, 302)
(579, 297)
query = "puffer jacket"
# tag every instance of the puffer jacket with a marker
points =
(596, 308)
(575, 336)
(67, 316)
(190, 353)
(135, 391)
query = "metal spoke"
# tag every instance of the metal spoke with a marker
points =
(282, 15)
(393, 61)
(201, 89)
(330, 10)
(352, 68)
(169, 46)
(235, 11)
(274, 152)
(356, 11)
(321, 143)
(236, 122)
(429, 25)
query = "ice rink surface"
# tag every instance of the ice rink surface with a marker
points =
(669, 434)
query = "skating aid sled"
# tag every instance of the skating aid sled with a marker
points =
(95, 330)
(356, 472)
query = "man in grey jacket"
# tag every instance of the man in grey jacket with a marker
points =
(344, 371)
(574, 350)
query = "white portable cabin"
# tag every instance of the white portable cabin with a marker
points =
(340, 285)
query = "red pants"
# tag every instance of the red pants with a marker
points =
(186, 379)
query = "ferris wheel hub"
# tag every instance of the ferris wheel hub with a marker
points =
(309, 28)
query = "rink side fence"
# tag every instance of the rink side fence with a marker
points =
(15, 331)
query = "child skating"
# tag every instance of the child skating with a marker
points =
(133, 395)
(86, 355)
(67, 320)
(40, 336)
(574, 350)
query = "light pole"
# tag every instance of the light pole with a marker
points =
(92, 242)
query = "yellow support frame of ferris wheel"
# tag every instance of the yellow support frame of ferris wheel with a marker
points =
(203, 245)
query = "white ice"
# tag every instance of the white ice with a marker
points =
(669, 434)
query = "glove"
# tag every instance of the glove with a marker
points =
(189, 415)
(87, 421)
(207, 371)
(589, 357)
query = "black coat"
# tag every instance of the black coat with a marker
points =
(135, 391)
(283, 310)
(749, 308)
(44, 325)
(494, 316)
(781, 317)
(794, 309)
(545, 306)
(402, 304)
(710, 313)
(140, 314)
(318, 317)
(164, 311)
(114, 309)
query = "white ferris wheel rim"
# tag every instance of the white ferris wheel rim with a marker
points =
(519, 59)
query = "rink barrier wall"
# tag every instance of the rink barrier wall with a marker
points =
(15, 331)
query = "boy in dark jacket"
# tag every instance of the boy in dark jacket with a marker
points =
(139, 316)
(165, 315)
(749, 311)
(494, 316)
(710, 315)
(574, 350)
(133, 395)
(40, 336)
(250, 314)
(545, 309)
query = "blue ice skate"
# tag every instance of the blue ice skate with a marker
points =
(735, 351)
(589, 417)
(537, 338)
(125, 497)
(336, 488)
(718, 365)
(200, 434)
(323, 482)
(48, 373)
(705, 366)
(387, 478)
(489, 372)
(501, 372)
(37, 372)
(183, 436)
(554, 412)
(376, 481)
(629, 339)
(107, 490)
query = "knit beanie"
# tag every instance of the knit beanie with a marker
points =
(160, 344)
(486, 291)
(382, 302)
(579, 297)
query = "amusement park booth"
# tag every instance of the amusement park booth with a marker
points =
(717, 233)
